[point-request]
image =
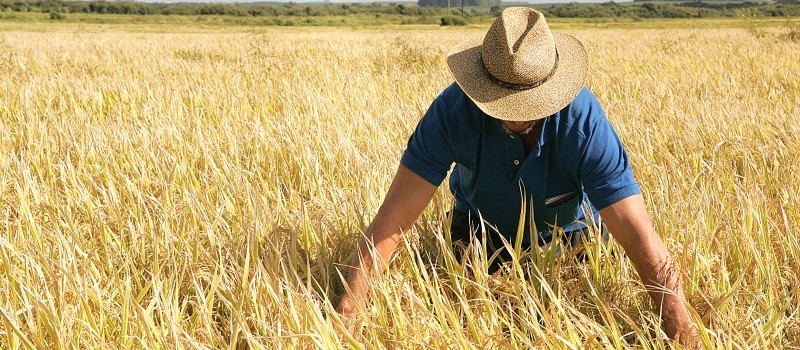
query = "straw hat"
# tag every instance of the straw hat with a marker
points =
(520, 70)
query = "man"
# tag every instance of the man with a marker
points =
(519, 122)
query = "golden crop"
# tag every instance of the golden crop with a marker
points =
(168, 187)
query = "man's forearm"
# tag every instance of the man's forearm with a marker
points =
(407, 197)
(630, 224)
(364, 265)
(666, 290)
(663, 282)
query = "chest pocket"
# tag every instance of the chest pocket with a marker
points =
(564, 192)
(562, 208)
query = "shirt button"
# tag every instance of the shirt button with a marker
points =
(511, 136)
(516, 162)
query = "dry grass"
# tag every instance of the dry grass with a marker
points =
(200, 190)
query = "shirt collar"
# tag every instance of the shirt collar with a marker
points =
(546, 134)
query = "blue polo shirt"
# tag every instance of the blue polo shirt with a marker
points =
(577, 167)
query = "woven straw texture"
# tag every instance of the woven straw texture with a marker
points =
(519, 48)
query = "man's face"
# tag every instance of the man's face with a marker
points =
(518, 127)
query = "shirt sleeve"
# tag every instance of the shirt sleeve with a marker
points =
(429, 153)
(604, 168)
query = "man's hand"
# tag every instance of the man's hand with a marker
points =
(350, 317)
(630, 225)
(346, 307)
(407, 197)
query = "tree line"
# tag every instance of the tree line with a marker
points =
(457, 3)
(200, 9)
(688, 9)
(424, 8)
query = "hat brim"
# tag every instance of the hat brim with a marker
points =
(520, 105)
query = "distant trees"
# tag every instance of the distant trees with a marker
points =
(456, 3)
(127, 8)
(689, 9)
(194, 9)
(424, 9)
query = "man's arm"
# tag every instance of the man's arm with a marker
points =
(407, 197)
(630, 225)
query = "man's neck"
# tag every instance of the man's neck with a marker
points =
(532, 137)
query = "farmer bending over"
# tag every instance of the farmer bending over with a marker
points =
(518, 121)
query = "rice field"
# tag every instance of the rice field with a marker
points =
(191, 187)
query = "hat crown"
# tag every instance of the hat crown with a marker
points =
(519, 47)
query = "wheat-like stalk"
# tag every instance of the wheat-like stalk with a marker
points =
(203, 188)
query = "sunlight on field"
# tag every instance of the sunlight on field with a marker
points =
(201, 189)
